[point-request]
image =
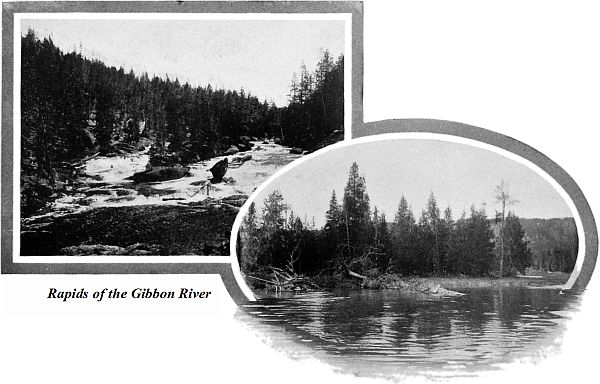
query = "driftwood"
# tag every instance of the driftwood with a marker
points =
(354, 274)
(284, 280)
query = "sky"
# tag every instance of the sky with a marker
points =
(459, 175)
(257, 55)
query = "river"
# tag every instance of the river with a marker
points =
(106, 213)
(106, 182)
(391, 333)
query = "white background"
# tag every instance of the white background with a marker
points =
(527, 69)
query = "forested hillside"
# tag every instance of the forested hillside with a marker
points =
(73, 107)
(553, 243)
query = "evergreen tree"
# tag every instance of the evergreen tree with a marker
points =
(447, 242)
(517, 253)
(333, 216)
(432, 216)
(250, 241)
(478, 244)
(356, 210)
(404, 237)
(315, 114)
(383, 242)
(273, 212)
(334, 221)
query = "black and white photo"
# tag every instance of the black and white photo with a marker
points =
(412, 255)
(144, 134)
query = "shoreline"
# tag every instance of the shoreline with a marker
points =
(431, 285)
(196, 229)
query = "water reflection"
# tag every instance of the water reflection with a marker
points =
(414, 333)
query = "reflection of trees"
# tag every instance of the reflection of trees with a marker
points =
(509, 307)
(354, 318)
(485, 321)
(475, 309)
(405, 311)
(512, 303)
(433, 322)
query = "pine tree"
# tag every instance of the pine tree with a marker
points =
(433, 221)
(273, 212)
(356, 211)
(250, 241)
(404, 236)
(384, 242)
(447, 241)
(479, 244)
(333, 216)
(517, 253)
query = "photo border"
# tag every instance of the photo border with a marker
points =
(216, 264)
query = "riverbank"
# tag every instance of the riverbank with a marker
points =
(434, 285)
(540, 279)
(133, 230)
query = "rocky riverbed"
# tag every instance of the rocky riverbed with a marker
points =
(107, 213)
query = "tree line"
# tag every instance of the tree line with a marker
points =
(553, 242)
(358, 240)
(73, 107)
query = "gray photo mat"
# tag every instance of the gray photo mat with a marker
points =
(355, 8)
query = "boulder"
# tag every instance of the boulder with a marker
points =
(92, 249)
(138, 249)
(235, 200)
(278, 141)
(243, 147)
(119, 199)
(124, 192)
(232, 150)
(160, 173)
(296, 151)
(163, 160)
(218, 170)
(97, 191)
(241, 159)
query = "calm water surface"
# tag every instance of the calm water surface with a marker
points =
(388, 333)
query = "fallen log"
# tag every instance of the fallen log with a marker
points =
(354, 274)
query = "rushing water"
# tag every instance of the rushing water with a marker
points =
(391, 333)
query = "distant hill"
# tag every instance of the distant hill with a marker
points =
(553, 243)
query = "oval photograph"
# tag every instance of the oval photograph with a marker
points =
(405, 256)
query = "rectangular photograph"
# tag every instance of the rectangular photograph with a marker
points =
(142, 134)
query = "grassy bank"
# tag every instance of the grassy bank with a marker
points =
(544, 279)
